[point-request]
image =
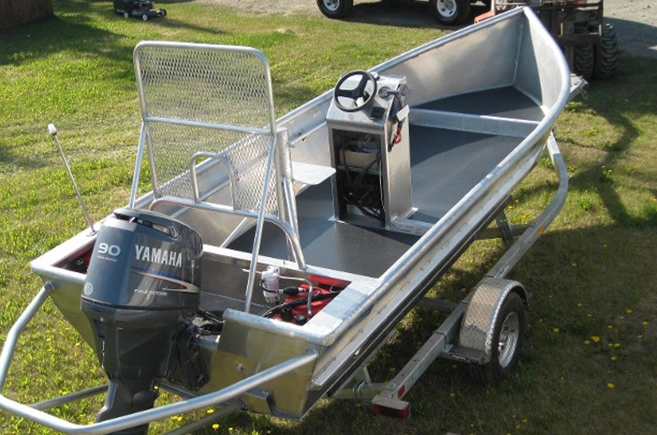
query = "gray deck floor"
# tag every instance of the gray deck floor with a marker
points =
(446, 164)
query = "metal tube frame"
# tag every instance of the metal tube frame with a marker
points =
(229, 397)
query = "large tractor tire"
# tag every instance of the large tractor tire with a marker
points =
(584, 60)
(606, 54)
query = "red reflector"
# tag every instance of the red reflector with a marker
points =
(401, 391)
(401, 413)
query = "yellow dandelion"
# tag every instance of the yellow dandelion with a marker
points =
(644, 323)
(610, 326)
(574, 264)
(611, 386)
(215, 426)
(628, 311)
(556, 330)
(595, 338)
(452, 394)
(613, 358)
(587, 342)
(616, 345)
(210, 411)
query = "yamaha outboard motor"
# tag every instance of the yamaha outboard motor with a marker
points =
(140, 295)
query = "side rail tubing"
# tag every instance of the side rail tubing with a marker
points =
(226, 399)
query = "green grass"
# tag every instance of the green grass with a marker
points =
(593, 317)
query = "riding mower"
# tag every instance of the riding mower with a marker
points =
(138, 9)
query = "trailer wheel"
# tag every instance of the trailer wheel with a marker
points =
(584, 60)
(450, 12)
(507, 340)
(606, 54)
(335, 8)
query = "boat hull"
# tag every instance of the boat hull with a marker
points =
(484, 102)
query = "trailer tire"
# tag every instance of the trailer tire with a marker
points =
(507, 341)
(584, 60)
(450, 12)
(335, 9)
(606, 54)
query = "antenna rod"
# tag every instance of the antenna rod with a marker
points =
(53, 132)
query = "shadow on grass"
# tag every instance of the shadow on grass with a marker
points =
(621, 101)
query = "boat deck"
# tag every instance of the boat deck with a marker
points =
(445, 165)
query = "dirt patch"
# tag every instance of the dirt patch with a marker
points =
(635, 21)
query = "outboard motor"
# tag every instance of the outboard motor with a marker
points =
(140, 295)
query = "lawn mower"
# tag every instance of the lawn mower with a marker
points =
(138, 9)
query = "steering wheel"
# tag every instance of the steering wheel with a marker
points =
(360, 95)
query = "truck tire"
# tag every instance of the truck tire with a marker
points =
(335, 9)
(450, 12)
(606, 54)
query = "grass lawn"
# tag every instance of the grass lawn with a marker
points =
(589, 365)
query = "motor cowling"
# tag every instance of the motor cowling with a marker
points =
(140, 295)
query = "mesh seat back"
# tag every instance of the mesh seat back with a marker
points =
(212, 99)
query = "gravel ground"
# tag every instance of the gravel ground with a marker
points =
(635, 21)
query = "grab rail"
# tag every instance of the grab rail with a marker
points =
(34, 412)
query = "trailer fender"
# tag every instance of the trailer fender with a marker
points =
(483, 312)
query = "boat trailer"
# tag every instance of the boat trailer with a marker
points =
(274, 257)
